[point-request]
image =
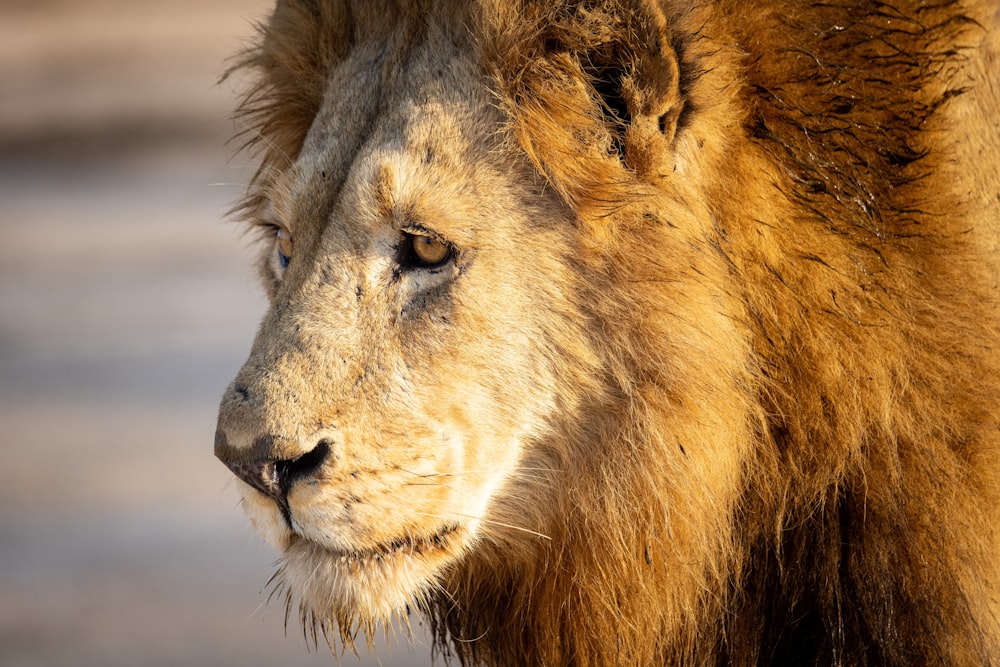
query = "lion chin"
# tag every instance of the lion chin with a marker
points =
(376, 583)
(333, 580)
(629, 332)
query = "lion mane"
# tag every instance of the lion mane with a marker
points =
(781, 441)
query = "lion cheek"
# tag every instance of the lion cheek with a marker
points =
(339, 518)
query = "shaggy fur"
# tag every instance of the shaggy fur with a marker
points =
(712, 376)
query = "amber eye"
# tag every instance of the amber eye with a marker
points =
(284, 246)
(429, 251)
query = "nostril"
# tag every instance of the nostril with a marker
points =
(286, 472)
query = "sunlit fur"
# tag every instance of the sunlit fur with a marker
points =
(715, 376)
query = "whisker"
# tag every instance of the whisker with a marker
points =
(226, 184)
(489, 522)
(516, 475)
(429, 479)
(474, 472)
(252, 135)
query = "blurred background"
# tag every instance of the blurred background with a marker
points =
(127, 303)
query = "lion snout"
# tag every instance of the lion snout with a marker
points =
(267, 462)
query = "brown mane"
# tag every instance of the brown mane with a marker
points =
(808, 312)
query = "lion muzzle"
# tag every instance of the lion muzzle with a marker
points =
(270, 464)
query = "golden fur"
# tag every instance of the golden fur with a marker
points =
(711, 373)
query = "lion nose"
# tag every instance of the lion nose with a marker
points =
(265, 465)
(263, 470)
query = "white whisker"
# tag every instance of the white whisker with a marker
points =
(256, 136)
(488, 522)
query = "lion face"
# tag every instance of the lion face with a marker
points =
(396, 382)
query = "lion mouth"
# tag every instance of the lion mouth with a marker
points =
(407, 546)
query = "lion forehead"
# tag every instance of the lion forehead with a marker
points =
(419, 151)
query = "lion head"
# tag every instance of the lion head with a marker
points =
(601, 332)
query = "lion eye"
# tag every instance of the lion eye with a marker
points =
(428, 251)
(284, 246)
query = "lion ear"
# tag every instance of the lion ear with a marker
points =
(642, 88)
(590, 87)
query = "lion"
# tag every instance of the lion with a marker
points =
(629, 332)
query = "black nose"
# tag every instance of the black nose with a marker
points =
(260, 466)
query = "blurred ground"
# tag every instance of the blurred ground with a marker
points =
(126, 306)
